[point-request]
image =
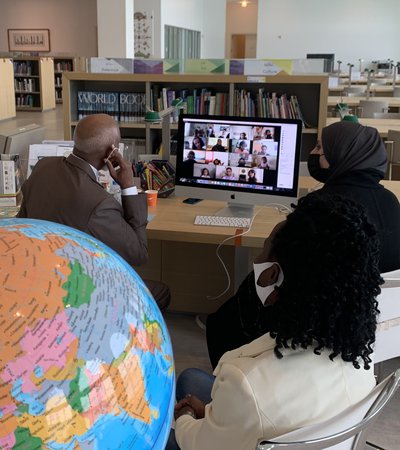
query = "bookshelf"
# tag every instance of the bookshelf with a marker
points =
(311, 93)
(61, 64)
(7, 98)
(34, 83)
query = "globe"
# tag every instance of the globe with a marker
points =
(85, 356)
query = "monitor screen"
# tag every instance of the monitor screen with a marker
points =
(246, 161)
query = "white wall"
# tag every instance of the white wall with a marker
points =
(181, 13)
(72, 23)
(239, 21)
(115, 28)
(213, 33)
(351, 29)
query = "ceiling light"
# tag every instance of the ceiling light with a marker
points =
(243, 3)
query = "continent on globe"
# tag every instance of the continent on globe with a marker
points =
(85, 356)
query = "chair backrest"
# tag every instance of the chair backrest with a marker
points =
(388, 329)
(367, 108)
(344, 431)
(394, 135)
(387, 115)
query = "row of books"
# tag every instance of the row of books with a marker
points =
(25, 84)
(63, 66)
(25, 68)
(195, 101)
(24, 100)
(266, 104)
(122, 106)
(58, 80)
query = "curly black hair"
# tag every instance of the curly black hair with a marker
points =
(328, 251)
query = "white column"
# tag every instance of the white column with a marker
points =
(115, 28)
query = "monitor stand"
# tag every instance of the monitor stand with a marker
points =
(236, 210)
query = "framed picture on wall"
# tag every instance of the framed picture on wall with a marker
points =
(28, 40)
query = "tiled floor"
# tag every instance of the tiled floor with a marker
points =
(188, 339)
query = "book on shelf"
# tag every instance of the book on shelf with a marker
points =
(132, 106)
(91, 102)
(63, 66)
(24, 68)
(267, 104)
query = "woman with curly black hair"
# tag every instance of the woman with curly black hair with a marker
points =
(319, 268)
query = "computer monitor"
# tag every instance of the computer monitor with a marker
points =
(243, 161)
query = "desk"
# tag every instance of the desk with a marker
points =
(394, 102)
(183, 255)
(378, 91)
(382, 125)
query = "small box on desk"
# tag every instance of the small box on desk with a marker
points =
(10, 180)
(157, 174)
(149, 66)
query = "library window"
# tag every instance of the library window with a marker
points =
(181, 43)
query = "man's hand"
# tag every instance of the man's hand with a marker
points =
(120, 170)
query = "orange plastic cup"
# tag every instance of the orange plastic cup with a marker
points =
(151, 197)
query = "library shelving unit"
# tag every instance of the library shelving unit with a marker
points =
(34, 83)
(61, 64)
(7, 98)
(311, 93)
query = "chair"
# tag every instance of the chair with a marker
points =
(393, 149)
(388, 329)
(367, 108)
(344, 431)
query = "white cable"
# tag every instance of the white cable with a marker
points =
(283, 208)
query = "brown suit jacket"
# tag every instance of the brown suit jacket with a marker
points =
(65, 190)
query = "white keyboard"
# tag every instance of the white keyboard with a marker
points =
(221, 221)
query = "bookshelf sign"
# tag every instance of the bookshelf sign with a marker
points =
(28, 40)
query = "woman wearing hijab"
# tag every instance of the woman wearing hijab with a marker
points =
(351, 160)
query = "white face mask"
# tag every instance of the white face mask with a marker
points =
(264, 292)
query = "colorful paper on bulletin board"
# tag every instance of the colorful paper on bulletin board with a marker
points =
(111, 65)
(173, 65)
(205, 65)
(148, 66)
(268, 67)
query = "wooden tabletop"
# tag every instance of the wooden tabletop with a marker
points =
(377, 89)
(333, 100)
(172, 220)
(382, 125)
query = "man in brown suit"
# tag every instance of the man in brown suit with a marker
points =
(67, 191)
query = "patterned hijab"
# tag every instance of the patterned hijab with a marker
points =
(351, 146)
